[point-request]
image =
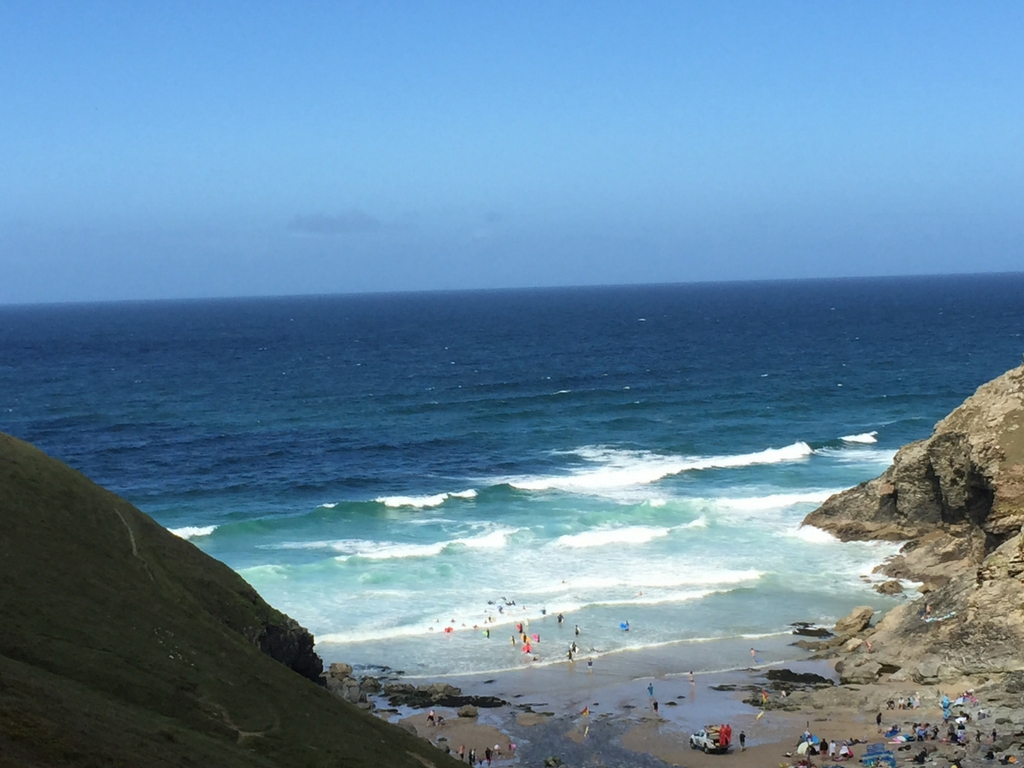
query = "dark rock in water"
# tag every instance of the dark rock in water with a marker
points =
(671, 703)
(370, 684)
(421, 699)
(809, 630)
(797, 678)
(437, 690)
(891, 587)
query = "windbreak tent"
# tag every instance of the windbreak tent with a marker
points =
(802, 749)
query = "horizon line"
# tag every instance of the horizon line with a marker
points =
(504, 289)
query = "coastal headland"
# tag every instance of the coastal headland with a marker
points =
(956, 502)
(120, 643)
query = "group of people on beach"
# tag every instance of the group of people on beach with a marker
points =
(490, 753)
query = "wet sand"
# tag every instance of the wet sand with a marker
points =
(607, 717)
(607, 714)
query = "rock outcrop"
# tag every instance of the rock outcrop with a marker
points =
(957, 499)
(967, 478)
(858, 620)
(284, 640)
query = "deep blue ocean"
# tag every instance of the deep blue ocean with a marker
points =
(382, 467)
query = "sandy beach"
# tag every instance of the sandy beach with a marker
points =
(607, 716)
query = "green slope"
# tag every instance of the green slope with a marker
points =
(121, 644)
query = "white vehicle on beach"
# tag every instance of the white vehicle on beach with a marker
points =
(713, 738)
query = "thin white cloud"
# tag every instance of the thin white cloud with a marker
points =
(348, 223)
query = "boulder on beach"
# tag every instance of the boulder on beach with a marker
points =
(796, 678)
(857, 621)
(468, 710)
(437, 691)
(340, 670)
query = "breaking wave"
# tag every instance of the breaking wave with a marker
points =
(863, 438)
(192, 531)
(603, 536)
(424, 502)
(615, 468)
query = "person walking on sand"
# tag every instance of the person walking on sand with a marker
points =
(576, 630)
(692, 681)
(650, 690)
(462, 752)
(743, 741)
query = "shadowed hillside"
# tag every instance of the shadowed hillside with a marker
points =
(121, 644)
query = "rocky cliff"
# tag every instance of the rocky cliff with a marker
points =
(957, 499)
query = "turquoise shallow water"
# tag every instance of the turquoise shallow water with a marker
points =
(383, 467)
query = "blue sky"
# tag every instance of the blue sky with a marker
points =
(193, 149)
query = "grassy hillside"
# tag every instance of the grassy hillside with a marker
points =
(121, 644)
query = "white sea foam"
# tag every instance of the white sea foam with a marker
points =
(858, 453)
(387, 550)
(191, 531)
(617, 468)
(775, 500)
(472, 619)
(424, 502)
(864, 437)
(700, 522)
(494, 538)
(329, 505)
(601, 537)
(657, 502)
(812, 535)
